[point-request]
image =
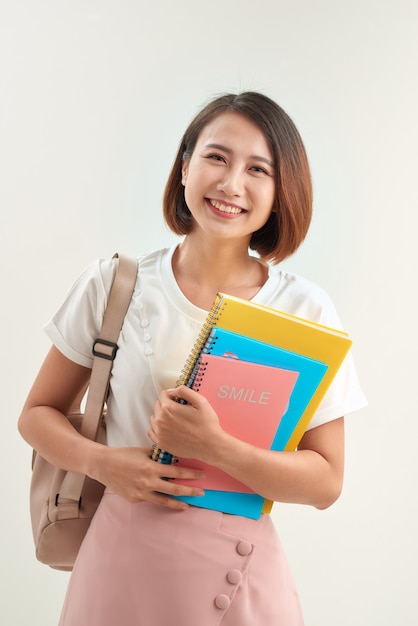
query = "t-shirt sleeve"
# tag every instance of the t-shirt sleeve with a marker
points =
(344, 395)
(77, 323)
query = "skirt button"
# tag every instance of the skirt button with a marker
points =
(244, 548)
(222, 601)
(234, 576)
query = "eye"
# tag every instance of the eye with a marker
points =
(259, 169)
(216, 157)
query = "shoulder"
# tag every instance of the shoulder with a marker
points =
(300, 296)
(150, 263)
(98, 276)
(78, 320)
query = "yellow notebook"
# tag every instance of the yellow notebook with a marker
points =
(310, 339)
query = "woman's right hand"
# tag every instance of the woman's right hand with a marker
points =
(129, 472)
(132, 474)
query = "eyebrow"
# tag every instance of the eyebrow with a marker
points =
(256, 157)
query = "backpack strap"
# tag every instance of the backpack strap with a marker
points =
(104, 350)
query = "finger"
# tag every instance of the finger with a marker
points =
(184, 473)
(152, 435)
(184, 393)
(168, 501)
(171, 488)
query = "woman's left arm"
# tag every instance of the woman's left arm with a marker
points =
(311, 475)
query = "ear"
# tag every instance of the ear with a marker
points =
(184, 171)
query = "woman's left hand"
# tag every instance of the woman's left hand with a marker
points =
(188, 430)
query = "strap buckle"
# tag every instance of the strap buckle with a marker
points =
(57, 497)
(110, 356)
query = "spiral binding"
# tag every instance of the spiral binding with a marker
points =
(200, 374)
(188, 373)
(200, 343)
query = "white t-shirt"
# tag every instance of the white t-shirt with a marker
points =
(159, 331)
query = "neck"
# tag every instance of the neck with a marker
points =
(202, 271)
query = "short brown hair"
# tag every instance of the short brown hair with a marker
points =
(288, 224)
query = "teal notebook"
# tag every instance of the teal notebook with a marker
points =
(235, 346)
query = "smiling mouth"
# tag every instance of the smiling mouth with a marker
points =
(226, 208)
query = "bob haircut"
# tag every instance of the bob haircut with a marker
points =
(289, 221)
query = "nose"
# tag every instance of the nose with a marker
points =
(231, 183)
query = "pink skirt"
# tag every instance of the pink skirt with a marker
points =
(146, 565)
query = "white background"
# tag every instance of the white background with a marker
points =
(94, 98)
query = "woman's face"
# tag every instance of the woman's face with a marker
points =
(230, 178)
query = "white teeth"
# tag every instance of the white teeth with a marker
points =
(224, 208)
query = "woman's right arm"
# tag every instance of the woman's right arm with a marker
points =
(127, 471)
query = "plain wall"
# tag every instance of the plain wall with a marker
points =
(94, 97)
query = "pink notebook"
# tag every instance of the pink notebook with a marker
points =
(249, 399)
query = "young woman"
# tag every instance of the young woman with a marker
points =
(240, 182)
